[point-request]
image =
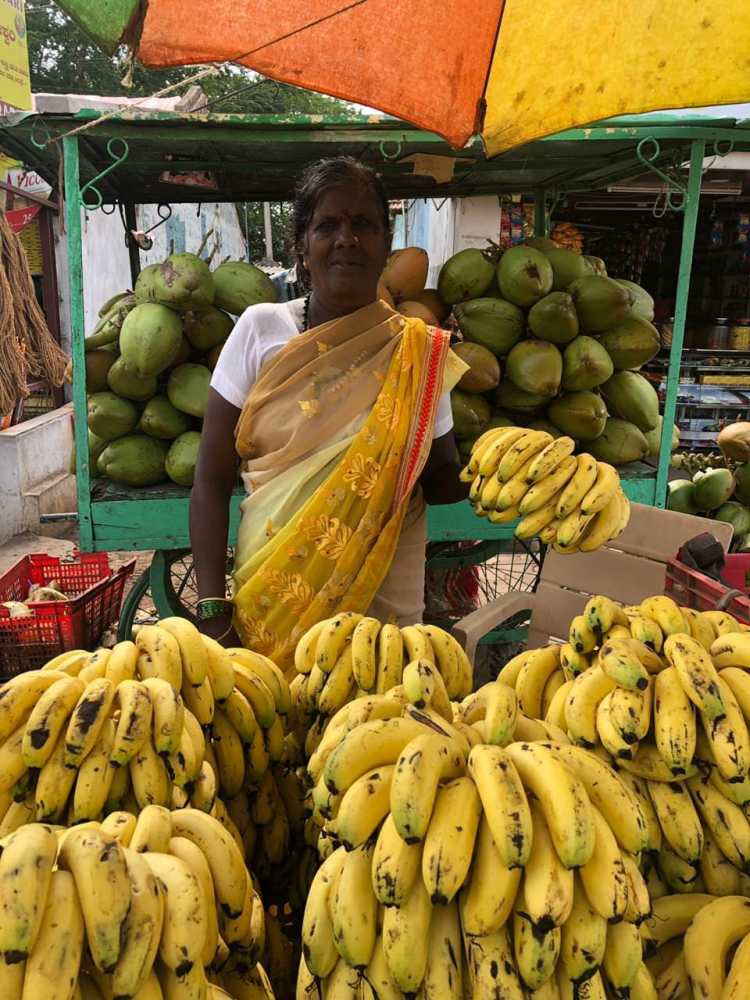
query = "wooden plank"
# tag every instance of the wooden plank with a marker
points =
(658, 534)
(148, 524)
(619, 575)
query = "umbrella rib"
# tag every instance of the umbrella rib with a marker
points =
(297, 31)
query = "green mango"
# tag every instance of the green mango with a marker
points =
(471, 414)
(554, 318)
(182, 457)
(182, 282)
(484, 369)
(491, 322)
(128, 384)
(98, 363)
(631, 343)
(134, 460)
(509, 397)
(240, 285)
(581, 415)
(680, 496)
(187, 389)
(535, 366)
(742, 486)
(110, 417)
(712, 489)
(567, 267)
(632, 397)
(600, 303)
(524, 275)
(619, 443)
(642, 303)
(162, 420)
(468, 274)
(736, 514)
(150, 338)
(206, 329)
(585, 365)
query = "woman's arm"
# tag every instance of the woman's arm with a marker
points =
(215, 477)
(439, 480)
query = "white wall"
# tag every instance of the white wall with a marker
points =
(187, 227)
(443, 229)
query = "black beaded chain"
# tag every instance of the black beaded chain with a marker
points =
(306, 313)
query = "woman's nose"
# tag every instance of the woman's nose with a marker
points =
(345, 234)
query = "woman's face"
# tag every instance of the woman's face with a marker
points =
(346, 246)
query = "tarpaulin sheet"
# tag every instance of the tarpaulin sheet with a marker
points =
(104, 20)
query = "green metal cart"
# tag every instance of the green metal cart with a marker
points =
(128, 159)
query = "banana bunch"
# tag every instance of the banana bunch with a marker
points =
(572, 502)
(155, 906)
(689, 940)
(350, 655)
(172, 719)
(459, 858)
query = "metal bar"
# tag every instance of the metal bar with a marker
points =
(689, 221)
(77, 329)
(50, 295)
(29, 196)
(540, 212)
(133, 252)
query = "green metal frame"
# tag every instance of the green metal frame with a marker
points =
(157, 518)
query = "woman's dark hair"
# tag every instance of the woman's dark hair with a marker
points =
(321, 177)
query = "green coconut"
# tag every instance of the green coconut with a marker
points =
(509, 397)
(182, 282)
(484, 369)
(98, 363)
(714, 487)
(162, 420)
(134, 460)
(680, 496)
(128, 384)
(734, 513)
(742, 484)
(631, 343)
(632, 397)
(535, 366)
(653, 438)
(471, 414)
(600, 302)
(150, 338)
(110, 417)
(554, 318)
(619, 443)
(466, 275)
(642, 303)
(581, 415)
(524, 275)
(182, 458)
(205, 330)
(239, 285)
(187, 389)
(491, 322)
(586, 365)
(567, 267)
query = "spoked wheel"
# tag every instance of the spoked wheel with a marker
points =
(167, 587)
(463, 576)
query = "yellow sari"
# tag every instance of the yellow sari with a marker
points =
(379, 375)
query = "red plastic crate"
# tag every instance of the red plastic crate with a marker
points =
(736, 571)
(694, 589)
(95, 594)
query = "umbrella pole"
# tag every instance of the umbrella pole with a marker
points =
(689, 221)
(541, 227)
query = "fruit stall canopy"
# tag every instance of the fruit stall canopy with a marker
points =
(510, 70)
(177, 157)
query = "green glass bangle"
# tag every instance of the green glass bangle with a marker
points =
(214, 607)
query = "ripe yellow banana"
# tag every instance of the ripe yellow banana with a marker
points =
(513, 490)
(708, 939)
(647, 631)
(363, 806)
(199, 699)
(97, 864)
(609, 736)
(547, 896)
(583, 937)
(222, 853)
(168, 714)
(487, 453)
(452, 661)
(159, 655)
(618, 660)
(555, 711)
(726, 821)
(372, 744)
(229, 755)
(318, 945)
(333, 638)
(121, 665)
(94, 778)
(304, 654)
(666, 613)
(53, 785)
(91, 711)
(581, 635)
(723, 622)
(422, 765)
(551, 458)
(390, 658)
(205, 788)
(639, 900)
(604, 876)
(449, 843)
(149, 777)
(548, 533)
(492, 967)
(670, 918)
(674, 721)
(720, 876)
(424, 686)
(585, 693)
(47, 719)
(730, 649)
(395, 865)
(523, 451)
(487, 898)
(53, 964)
(506, 807)
(536, 951)
(700, 628)
(605, 525)
(134, 724)
(728, 737)
(184, 926)
(258, 693)
(631, 712)
(501, 712)
(192, 649)
(142, 928)
(545, 492)
(364, 653)
(194, 858)
(532, 678)
(95, 666)
(120, 825)
(696, 673)
(578, 486)
(219, 669)
(26, 864)
(20, 694)
(338, 685)
(354, 908)
(443, 979)
(406, 936)
(153, 830)
(605, 486)
(602, 613)
(622, 957)
(678, 819)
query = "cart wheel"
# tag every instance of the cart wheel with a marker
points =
(463, 576)
(167, 587)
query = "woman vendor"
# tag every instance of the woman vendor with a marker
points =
(337, 411)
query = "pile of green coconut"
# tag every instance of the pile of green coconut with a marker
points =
(553, 342)
(149, 363)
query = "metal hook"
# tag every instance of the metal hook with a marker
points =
(141, 238)
(673, 186)
(40, 123)
(117, 160)
(108, 209)
(393, 142)
(722, 147)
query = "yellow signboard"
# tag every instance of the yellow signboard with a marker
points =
(15, 83)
